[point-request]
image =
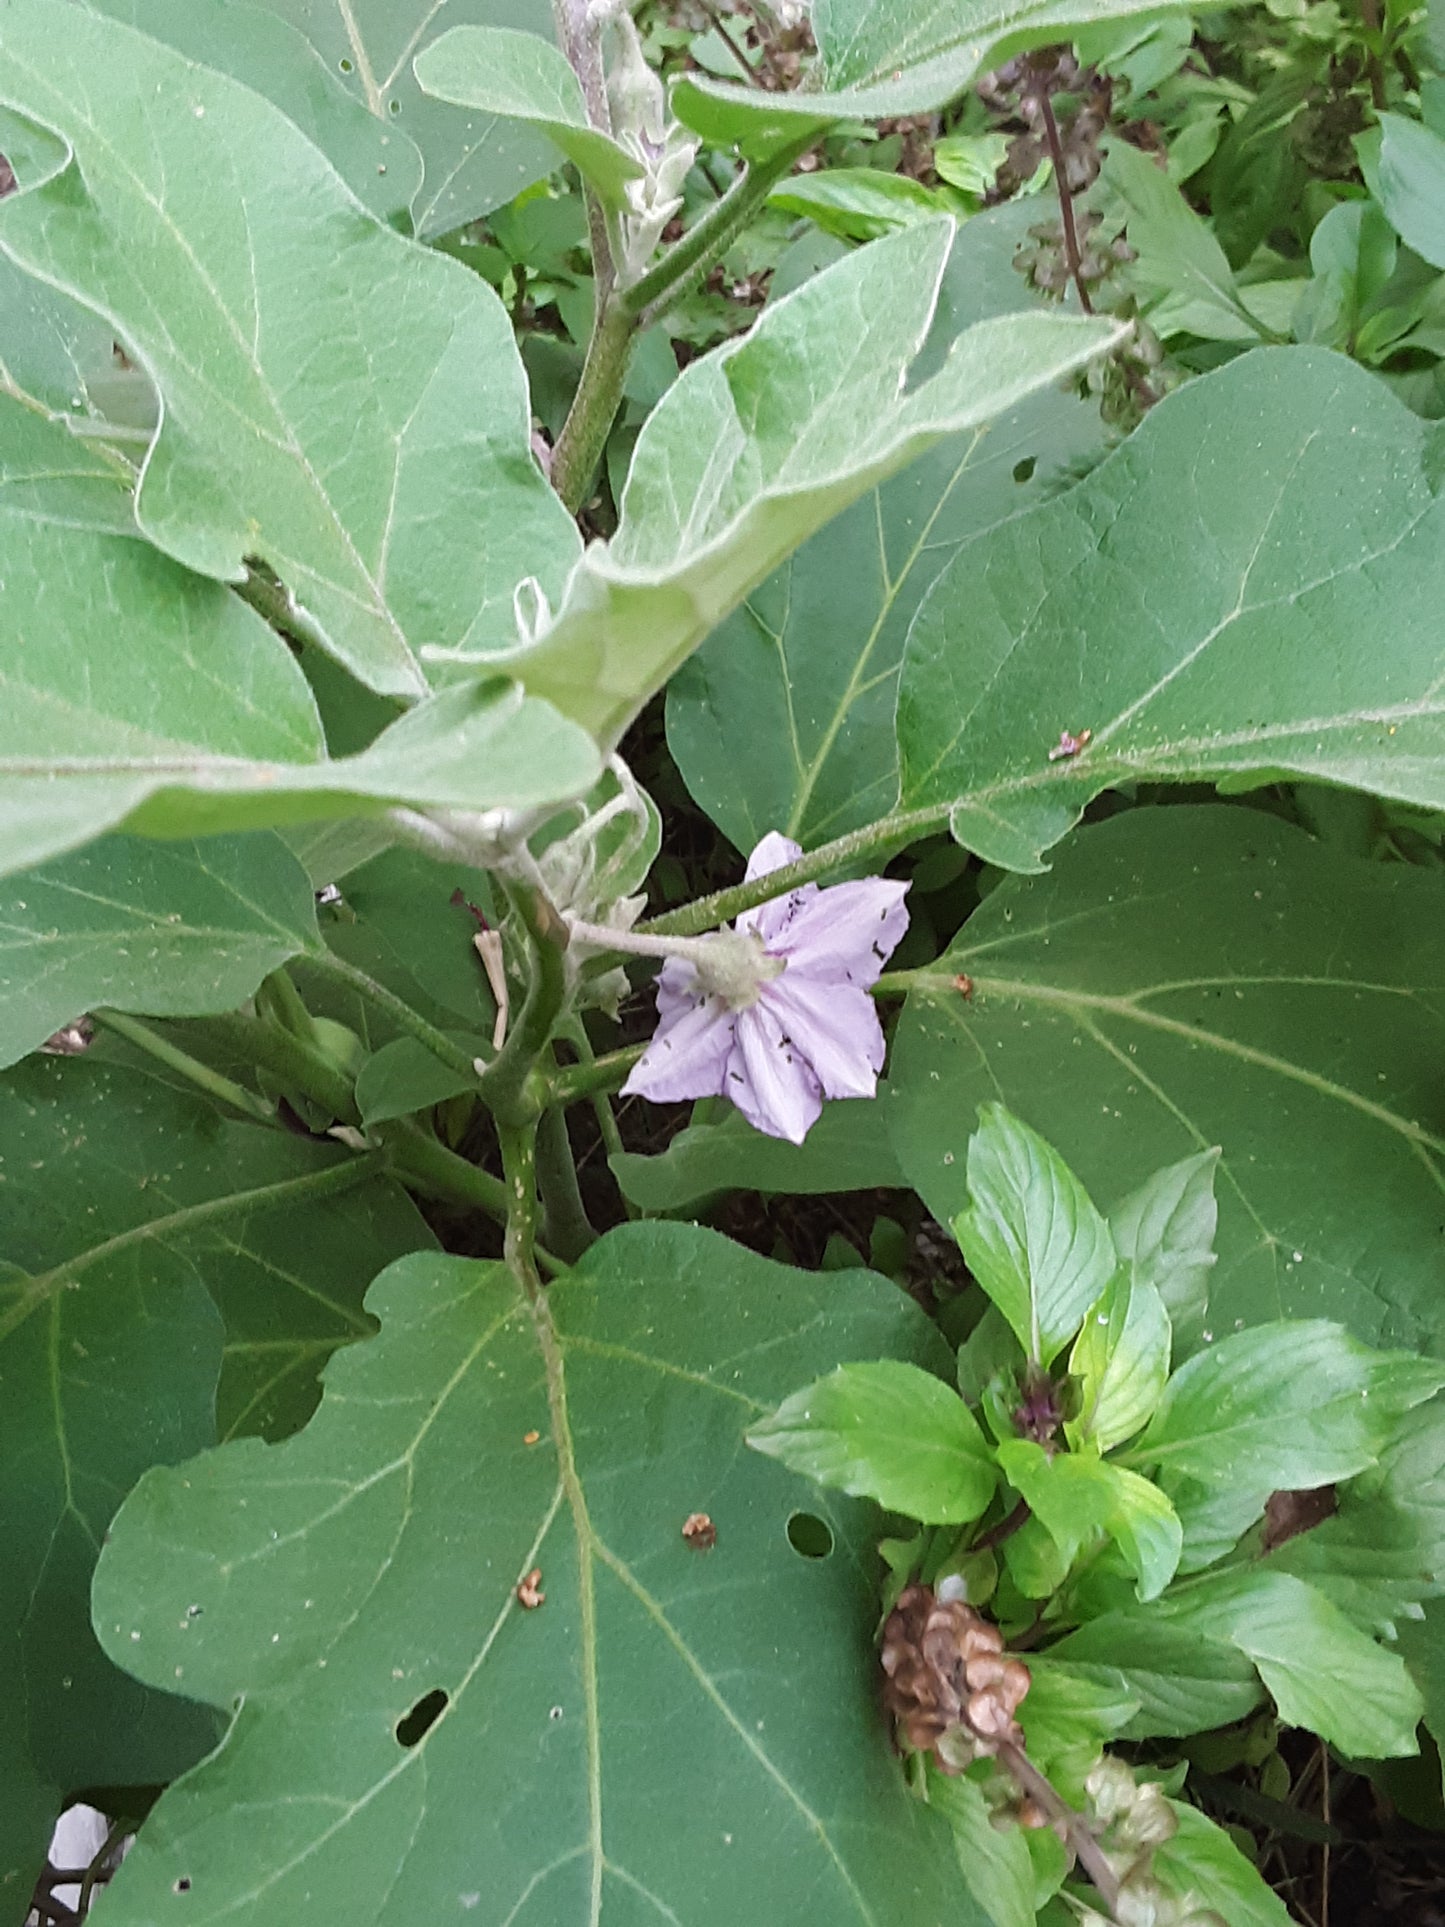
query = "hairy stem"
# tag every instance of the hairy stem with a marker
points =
(623, 312)
(510, 1084)
(519, 1167)
(327, 964)
(572, 1081)
(876, 842)
(1072, 257)
(223, 1089)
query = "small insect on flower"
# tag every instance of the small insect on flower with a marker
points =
(1069, 745)
(529, 1590)
(699, 1532)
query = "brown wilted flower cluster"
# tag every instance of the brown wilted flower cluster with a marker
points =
(947, 1681)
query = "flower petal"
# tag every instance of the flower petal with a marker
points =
(846, 933)
(687, 1056)
(771, 854)
(834, 1027)
(770, 1083)
(677, 991)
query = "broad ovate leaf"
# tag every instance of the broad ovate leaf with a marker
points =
(474, 161)
(1282, 1407)
(342, 404)
(784, 717)
(166, 929)
(885, 1431)
(1193, 609)
(420, 1740)
(1179, 270)
(1182, 1682)
(1031, 1234)
(1201, 1864)
(760, 443)
(1164, 1232)
(520, 76)
(1405, 166)
(1323, 1673)
(994, 1861)
(1225, 981)
(1077, 1497)
(148, 1248)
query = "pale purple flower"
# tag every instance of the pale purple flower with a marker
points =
(800, 1026)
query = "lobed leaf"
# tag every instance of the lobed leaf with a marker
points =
(784, 718)
(415, 1736)
(167, 930)
(148, 1249)
(1196, 606)
(1225, 980)
(1031, 1234)
(758, 444)
(402, 512)
(889, 1432)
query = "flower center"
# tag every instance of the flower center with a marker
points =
(733, 966)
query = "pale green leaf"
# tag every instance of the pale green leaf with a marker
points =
(167, 929)
(1322, 1672)
(519, 76)
(762, 441)
(728, 1688)
(254, 45)
(889, 1432)
(1182, 1682)
(857, 203)
(1423, 1646)
(401, 512)
(1283, 1407)
(1225, 980)
(1164, 1232)
(135, 1223)
(1201, 1862)
(1383, 1551)
(848, 1149)
(1180, 272)
(1196, 605)
(1077, 1497)
(1031, 1234)
(994, 1861)
(1405, 169)
(784, 718)
(883, 58)
(474, 162)
(1068, 1716)
(1121, 1358)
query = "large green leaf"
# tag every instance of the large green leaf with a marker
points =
(521, 77)
(254, 45)
(784, 718)
(361, 1578)
(195, 717)
(1405, 165)
(760, 443)
(339, 402)
(1195, 976)
(474, 161)
(131, 1215)
(885, 1431)
(882, 58)
(1076, 1497)
(1197, 605)
(168, 929)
